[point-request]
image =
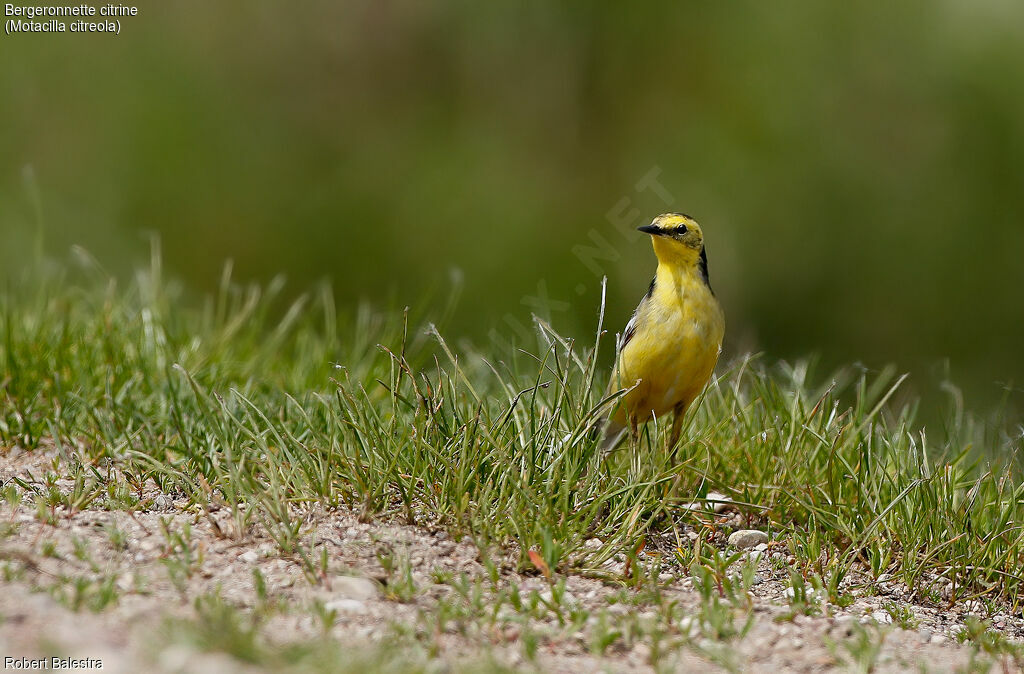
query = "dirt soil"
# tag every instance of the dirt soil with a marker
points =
(130, 634)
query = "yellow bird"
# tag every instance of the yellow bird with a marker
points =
(671, 344)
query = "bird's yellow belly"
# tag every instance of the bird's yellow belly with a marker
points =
(673, 358)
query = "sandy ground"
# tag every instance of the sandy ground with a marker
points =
(41, 561)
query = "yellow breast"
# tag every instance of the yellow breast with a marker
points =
(674, 349)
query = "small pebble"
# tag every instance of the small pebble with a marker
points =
(719, 502)
(346, 606)
(843, 627)
(715, 502)
(162, 502)
(747, 538)
(352, 587)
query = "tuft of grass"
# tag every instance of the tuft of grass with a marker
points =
(268, 407)
(862, 650)
(219, 627)
(78, 592)
(901, 615)
(980, 634)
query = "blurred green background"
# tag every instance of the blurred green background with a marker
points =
(858, 169)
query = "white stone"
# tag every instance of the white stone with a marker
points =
(715, 502)
(351, 587)
(163, 502)
(747, 538)
(719, 502)
(880, 617)
(346, 606)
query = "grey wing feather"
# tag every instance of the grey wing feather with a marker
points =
(630, 330)
(628, 333)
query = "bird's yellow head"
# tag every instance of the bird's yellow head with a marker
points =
(677, 238)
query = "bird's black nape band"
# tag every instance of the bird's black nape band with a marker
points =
(702, 265)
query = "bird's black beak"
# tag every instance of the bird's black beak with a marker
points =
(650, 229)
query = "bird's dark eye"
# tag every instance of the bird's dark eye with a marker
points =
(680, 230)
